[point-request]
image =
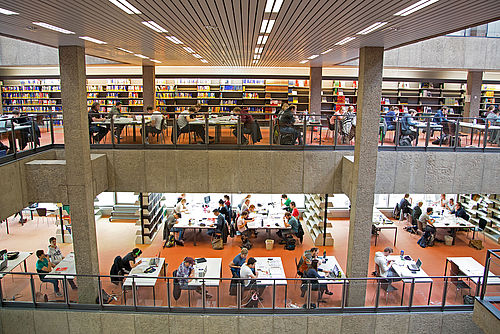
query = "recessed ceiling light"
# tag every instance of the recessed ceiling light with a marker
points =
(371, 28)
(203, 60)
(155, 26)
(256, 57)
(140, 56)
(416, 6)
(155, 61)
(267, 26)
(93, 40)
(7, 12)
(124, 50)
(304, 61)
(255, 61)
(325, 52)
(262, 39)
(174, 39)
(274, 9)
(345, 40)
(51, 27)
(258, 50)
(197, 55)
(188, 49)
(313, 56)
(125, 6)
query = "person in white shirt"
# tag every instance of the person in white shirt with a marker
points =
(54, 252)
(184, 126)
(181, 206)
(246, 205)
(247, 271)
(155, 126)
(385, 266)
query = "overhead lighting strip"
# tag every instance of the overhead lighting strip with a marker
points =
(273, 9)
(188, 49)
(267, 26)
(7, 12)
(313, 56)
(51, 27)
(345, 40)
(140, 56)
(325, 52)
(93, 40)
(155, 61)
(203, 60)
(371, 28)
(125, 6)
(304, 61)
(155, 26)
(262, 39)
(197, 56)
(413, 8)
(124, 50)
(174, 39)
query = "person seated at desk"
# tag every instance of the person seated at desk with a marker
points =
(306, 260)
(248, 272)
(285, 202)
(295, 211)
(440, 118)
(219, 225)
(154, 127)
(407, 124)
(428, 223)
(459, 211)
(43, 265)
(238, 261)
(417, 212)
(246, 205)
(385, 269)
(248, 126)
(241, 225)
(291, 222)
(405, 205)
(180, 207)
(312, 272)
(224, 211)
(493, 119)
(97, 132)
(450, 205)
(243, 201)
(24, 136)
(348, 129)
(390, 118)
(442, 201)
(286, 127)
(185, 273)
(129, 260)
(170, 228)
(114, 113)
(183, 126)
(54, 252)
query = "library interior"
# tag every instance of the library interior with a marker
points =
(221, 165)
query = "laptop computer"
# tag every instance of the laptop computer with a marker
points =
(415, 266)
(155, 261)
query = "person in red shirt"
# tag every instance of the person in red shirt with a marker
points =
(295, 211)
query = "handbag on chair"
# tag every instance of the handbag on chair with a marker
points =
(217, 243)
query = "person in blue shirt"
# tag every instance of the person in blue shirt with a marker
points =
(459, 211)
(407, 123)
(312, 272)
(440, 116)
(219, 225)
(238, 261)
(390, 118)
(289, 221)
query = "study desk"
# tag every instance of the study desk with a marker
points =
(468, 266)
(453, 223)
(419, 276)
(66, 266)
(212, 268)
(329, 265)
(11, 264)
(146, 279)
(17, 130)
(196, 221)
(423, 125)
(124, 121)
(381, 222)
(272, 221)
(271, 267)
(479, 127)
(218, 122)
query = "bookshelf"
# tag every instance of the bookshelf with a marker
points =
(313, 219)
(223, 95)
(425, 97)
(152, 215)
(486, 206)
(490, 95)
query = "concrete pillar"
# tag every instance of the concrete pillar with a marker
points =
(315, 78)
(365, 166)
(148, 85)
(473, 93)
(78, 168)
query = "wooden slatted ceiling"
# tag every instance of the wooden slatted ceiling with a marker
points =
(302, 28)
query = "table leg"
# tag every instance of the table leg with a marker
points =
(418, 134)
(31, 212)
(25, 269)
(133, 132)
(453, 235)
(125, 296)
(479, 140)
(376, 236)
(194, 237)
(395, 235)
(403, 293)
(430, 292)
(471, 135)
(473, 233)
(268, 233)
(154, 296)
(286, 293)
(218, 295)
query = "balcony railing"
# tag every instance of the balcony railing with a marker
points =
(31, 133)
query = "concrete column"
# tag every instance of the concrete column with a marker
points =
(78, 168)
(473, 93)
(148, 85)
(365, 166)
(315, 78)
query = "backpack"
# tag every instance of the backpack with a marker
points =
(217, 243)
(170, 242)
(290, 243)
(405, 141)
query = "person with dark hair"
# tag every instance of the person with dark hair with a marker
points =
(154, 127)
(405, 205)
(54, 252)
(219, 225)
(248, 272)
(241, 225)
(285, 202)
(43, 265)
(287, 129)
(238, 261)
(459, 211)
(384, 266)
(306, 260)
(114, 113)
(129, 260)
(95, 131)
(295, 211)
(291, 222)
(248, 126)
(183, 124)
(312, 272)
(185, 271)
(170, 228)
(408, 124)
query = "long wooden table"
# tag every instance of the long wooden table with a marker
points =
(380, 222)
(12, 264)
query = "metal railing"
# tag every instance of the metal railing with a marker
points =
(285, 295)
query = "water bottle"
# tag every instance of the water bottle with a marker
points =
(402, 255)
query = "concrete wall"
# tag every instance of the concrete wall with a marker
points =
(89, 322)
(446, 52)
(485, 319)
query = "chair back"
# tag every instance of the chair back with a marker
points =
(482, 223)
(377, 270)
(41, 212)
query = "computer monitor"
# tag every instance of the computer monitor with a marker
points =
(207, 199)
(419, 263)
